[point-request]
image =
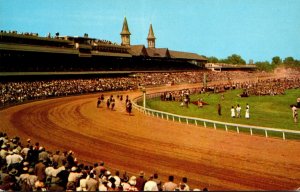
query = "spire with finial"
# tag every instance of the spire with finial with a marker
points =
(151, 38)
(125, 34)
(125, 29)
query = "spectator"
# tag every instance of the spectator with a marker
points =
(103, 185)
(140, 181)
(232, 110)
(132, 184)
(150, 185)
(39, 171)
(158, 181)
(73, 179)
(295, 113)
(247, 113)
(219, 109)
(238, 111)
(92, 184)
(117, 178)
(185, 185)
(170, 185)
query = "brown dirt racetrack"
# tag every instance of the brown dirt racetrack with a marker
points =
(209, 158)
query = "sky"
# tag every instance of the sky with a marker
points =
(253, 29)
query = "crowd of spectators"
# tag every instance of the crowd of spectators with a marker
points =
(30, 167)
(270, 86)
(18, 92)
(150, 79)
(15, 32)
(96, 41)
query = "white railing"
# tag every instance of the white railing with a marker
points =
(210, 123)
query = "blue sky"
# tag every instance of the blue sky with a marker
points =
(254, 29)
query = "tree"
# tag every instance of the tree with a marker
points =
(289, 61)
(297, 63)
(276, 60)
(223, 61)
(264, 66)
(57, 34)
(236, 59)
(212, 59)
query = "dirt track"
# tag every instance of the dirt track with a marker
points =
(209, 158)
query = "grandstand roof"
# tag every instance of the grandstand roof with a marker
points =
(185, 55)
(158, 52)
(37, 48)
(138, 50)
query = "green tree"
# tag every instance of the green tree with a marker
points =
(223, 61)
(264, 66)
(276, 60)
(236, 59)
(213, 59)
(297, 63)
(289, 61)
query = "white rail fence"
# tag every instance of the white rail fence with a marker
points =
(253, 130)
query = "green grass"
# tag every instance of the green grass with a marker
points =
(266, 111)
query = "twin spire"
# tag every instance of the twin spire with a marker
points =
(151, 38)
(125, 35)
(125, 29)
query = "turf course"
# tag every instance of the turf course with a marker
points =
(266, 111)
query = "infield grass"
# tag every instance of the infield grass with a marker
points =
(266, 111)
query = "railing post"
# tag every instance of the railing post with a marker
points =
(152, 113)
(167, 117)
(283, 135)
(179, 119)
(162, 115)
(173, 118)
(215, 126)
(204, 123)
(251, 131)
(195, 122)
(266, 133)
(187, 121)
(156, 114)
(226, 127)
(237, 129)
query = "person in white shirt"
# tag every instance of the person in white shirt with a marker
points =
(8, 158)
(117, 178)
(232, 110)
(247, 114)
(150, 185)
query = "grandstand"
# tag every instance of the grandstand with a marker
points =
(29, 52)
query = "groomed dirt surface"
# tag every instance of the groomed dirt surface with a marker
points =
(209, 158)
